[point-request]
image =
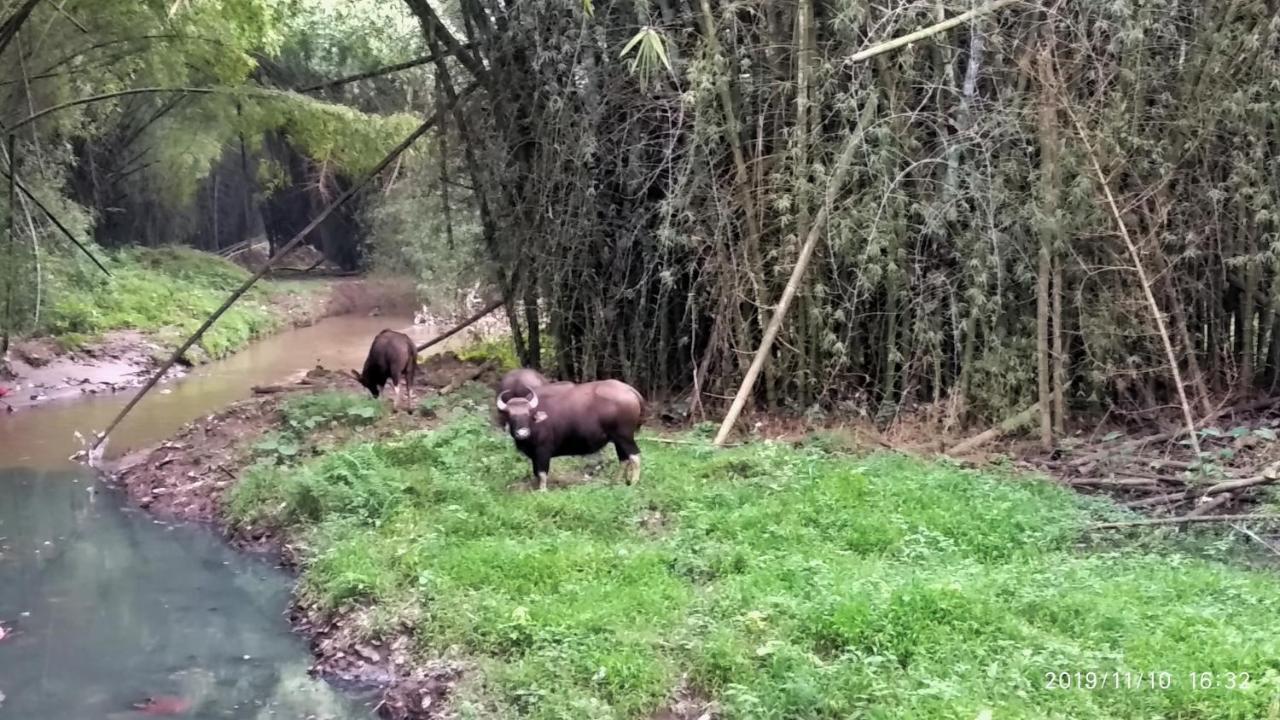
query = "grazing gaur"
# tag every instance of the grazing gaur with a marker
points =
(394, 357)
(562, 419)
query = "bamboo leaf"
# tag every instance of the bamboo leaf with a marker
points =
(635, 40)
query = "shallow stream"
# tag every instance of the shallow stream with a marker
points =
(102, 607)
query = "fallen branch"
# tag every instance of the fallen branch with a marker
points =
(926, 32)
(1173, 435)
(1185, 519)
(272, 389)
(234, 249)
(1207, 507)
(462, 325)
(1008, 426)
(1222, 487)
(244, 287)
(1254, 536)
(1114, 482)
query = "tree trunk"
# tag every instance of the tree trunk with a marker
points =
(732, 133)
(1247, 328)
(532, 325)
(1059, 353)
(804, 27)
(1049, 231)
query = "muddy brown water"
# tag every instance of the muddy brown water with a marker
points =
(44, 436)
(102, 607)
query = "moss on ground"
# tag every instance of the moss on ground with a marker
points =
(165, 293)
(781, 581)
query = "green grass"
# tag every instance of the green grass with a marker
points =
(164, 292)
(782, 582)
(502, 351)
(306, 415)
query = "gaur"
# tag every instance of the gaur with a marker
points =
(393, 357)
(518, 383)
(561, 419)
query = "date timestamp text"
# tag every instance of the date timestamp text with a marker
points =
(1152, 680)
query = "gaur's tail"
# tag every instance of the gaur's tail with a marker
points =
(644, 406)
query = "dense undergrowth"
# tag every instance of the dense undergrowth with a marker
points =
(163, 292)
(780, 581)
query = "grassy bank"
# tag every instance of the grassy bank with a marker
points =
(779, 581)
(166, 293)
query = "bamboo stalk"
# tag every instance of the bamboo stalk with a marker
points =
(1136, 257)
(12, 271)
(56, 222)
(9, 28)
(842, 167)
(378, 72)
(254, 92)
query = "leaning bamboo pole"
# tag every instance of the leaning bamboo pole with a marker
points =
(797, 273)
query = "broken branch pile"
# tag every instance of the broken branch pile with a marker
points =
(1162, 473)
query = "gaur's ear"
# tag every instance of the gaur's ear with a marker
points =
(356, 374)
(539, 416)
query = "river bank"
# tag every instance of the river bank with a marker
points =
(783, 578)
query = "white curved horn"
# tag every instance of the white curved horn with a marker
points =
(533, 399)
(502, 406)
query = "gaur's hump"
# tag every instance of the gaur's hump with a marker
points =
(618, 391)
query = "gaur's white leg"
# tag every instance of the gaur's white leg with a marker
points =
(633, 473)
(542, 482)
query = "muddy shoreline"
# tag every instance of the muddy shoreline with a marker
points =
(185, 478)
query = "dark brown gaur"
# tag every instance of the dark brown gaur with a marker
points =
(519, 383)
(392, 356)
(562, 419)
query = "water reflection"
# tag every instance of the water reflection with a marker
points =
(107, 607)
